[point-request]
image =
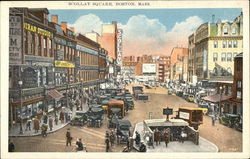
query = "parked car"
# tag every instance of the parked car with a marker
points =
(231, 120)
(190, 98)
(80, 119)
(95, 117)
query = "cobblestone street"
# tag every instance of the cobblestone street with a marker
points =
(227, 139)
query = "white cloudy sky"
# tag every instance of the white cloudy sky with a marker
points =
(143, 35)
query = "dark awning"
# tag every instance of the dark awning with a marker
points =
(55, 94)
(216, 98)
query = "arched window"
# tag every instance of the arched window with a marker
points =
(229, 71)
(215, 71)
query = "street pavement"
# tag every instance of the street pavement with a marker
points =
(226, 139)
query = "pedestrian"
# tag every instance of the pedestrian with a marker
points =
(36, 124)
(166, 137)
(112, 138)
(45, 118)
(11, 146)
(50, 123)
(44, 128)
(131, 142)
(107, 144)
(150, 140)
(107, 134)
(157, 136)
(28, 124)
(66, 116)
(213, 120)
(56, 119)
(62, 117)
(79, 145)
(68, 137)
(143, 147)
(137, 138)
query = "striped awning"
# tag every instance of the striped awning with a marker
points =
(55, 94)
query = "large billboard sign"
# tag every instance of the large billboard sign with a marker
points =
(149, 68)
(119, 47)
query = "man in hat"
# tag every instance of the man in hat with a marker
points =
(68, 137)
(107, 144)
(79, 145)
(44, 128)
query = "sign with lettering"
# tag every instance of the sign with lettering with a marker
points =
(64, 64)
(29, 78)
(87, 50)
(184, 115)
(59, 55)
(15, 39)
(167, 111)
(119, 47)
(37, 30)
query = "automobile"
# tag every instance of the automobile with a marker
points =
(193, 115)
(190, 98)
(123, 130)
(95, 117)
(80, 119)
(170, 91)
(112, 123)
(231, 120)
(179, 93)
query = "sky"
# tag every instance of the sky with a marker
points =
(146, 31)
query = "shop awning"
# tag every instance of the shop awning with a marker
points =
(216, 98)
(55, 94)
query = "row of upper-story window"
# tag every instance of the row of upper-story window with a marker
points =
(226, 30)
(226, 44)
(225, 57)
(37, 45)
(88, 59)
(68, 53)
(88, 75)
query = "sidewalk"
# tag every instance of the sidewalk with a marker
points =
(14, 131)
(175, 146)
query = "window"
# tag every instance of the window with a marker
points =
(223, 57)
(225, 30)
(39, 46)
(239, 84)
(230, 44)
(229, 90)
(238, 94)
(235, 44)
(50, 48)
(224, 44)
(229, 71)
(223, 72)
(234, 30)
(215, 44)
(45, 46)
(215, 56)
(215, 71)
(229, 56)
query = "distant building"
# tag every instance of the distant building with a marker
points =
(163, 68)
(93, 36)
(176, 61)
(108, 39)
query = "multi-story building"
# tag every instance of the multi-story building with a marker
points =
(31, 70)
(234, 105)
(191, 59)
(176, 61)
(108, 39)
(51, 68)
(215, 47)
(163, 68)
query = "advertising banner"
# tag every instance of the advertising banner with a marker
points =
(15, 39)
(64, 64)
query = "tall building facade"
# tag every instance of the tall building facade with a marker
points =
(212, 48)
(176, 61)
(51, 68)
(163, 68)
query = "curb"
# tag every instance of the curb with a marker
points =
(217, 149)
(39, 134)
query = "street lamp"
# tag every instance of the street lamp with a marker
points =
(220, 99)
(21, 127)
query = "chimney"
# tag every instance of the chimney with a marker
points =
(54, 18)
(72, 29)
(64, 26)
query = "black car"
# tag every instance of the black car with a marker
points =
(95, 117)
(123, 130)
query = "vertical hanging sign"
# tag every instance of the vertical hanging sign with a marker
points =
(119, 47)
(15, 39)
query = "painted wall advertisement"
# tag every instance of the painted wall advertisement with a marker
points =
(15, 39)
